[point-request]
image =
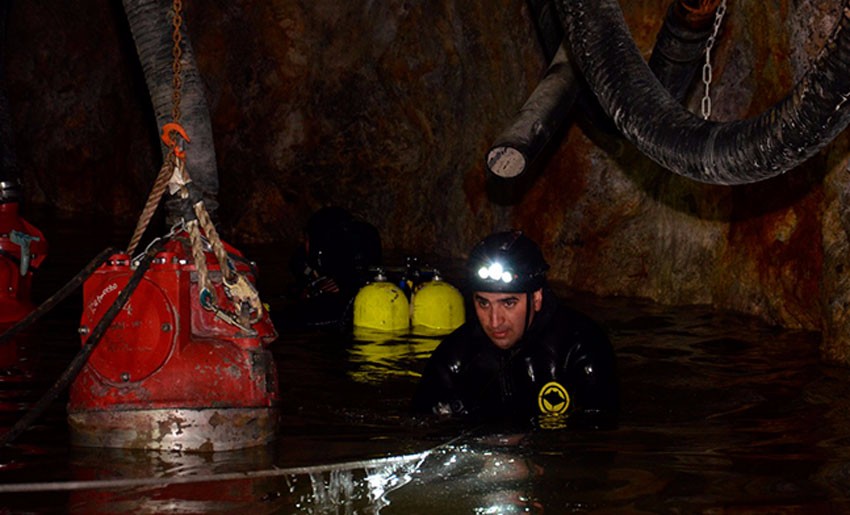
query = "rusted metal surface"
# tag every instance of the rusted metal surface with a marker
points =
(190, 430)
(169, 374)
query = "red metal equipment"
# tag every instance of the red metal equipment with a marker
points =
(22, 249)
(170, 374)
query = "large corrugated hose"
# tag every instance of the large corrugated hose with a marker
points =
(675, 61)
(736, 152)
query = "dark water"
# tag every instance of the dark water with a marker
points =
(721, 414)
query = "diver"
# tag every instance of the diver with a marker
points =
(339, 255)
(525, 357)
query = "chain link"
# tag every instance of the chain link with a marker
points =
(176, 54)
(203, 222)
(706, 68)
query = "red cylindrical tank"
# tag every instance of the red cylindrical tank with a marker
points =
(22, 249)
(168, 373)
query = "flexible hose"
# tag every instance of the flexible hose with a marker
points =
(151, 27)
(82, 356)
(10, 173)
(675, 60)
(524, 139)
(678, 52)
(547, 24)
(736, 152)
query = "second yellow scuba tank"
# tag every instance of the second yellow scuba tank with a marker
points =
(437, 307)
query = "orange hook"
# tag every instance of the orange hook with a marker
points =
(167, 129)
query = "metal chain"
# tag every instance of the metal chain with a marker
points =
(176, 54)
(203, 221)
(180, 165)
(169, 162)
(706, 68)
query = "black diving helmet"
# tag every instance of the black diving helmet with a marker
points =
(506, 262)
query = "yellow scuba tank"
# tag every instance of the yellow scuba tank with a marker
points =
(437, 307)
(382, 306)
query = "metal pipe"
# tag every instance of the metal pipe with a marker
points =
(541, 115)
(675, 61)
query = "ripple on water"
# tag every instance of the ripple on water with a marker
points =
(720, 414)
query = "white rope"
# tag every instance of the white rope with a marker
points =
(100, 484)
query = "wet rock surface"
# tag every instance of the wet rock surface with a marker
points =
(388, 108)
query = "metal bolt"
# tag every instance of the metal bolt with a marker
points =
(166, 327)
(83, 330)
(125, 377)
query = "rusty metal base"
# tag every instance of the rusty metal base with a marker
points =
(190, 430)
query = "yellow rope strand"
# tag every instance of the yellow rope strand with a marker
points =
(204, 280)
(154, 199)
(215, 241)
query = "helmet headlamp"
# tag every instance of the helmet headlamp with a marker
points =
(496, 272)
(506, 262)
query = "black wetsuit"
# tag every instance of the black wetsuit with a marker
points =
(563, 367)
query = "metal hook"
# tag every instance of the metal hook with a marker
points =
(167, 129)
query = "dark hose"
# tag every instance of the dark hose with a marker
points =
(547, 24)
(737, 152)
(675, 60)
(678, 52)
(10, 175)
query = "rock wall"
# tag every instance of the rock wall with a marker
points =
(387, 108)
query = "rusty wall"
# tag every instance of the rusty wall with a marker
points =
(387, 108)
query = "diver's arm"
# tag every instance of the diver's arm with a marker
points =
(594, 377)
(439, 390)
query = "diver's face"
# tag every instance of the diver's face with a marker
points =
(502, 315)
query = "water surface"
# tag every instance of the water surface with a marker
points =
(721, 414)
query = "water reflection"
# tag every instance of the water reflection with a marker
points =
(381, 355)
(92, 465)
(720, 414)
(495, 474)
(227, 482)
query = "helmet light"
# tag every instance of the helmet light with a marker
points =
(495, 272)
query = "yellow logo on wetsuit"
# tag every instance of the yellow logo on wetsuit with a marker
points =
(553, 399)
